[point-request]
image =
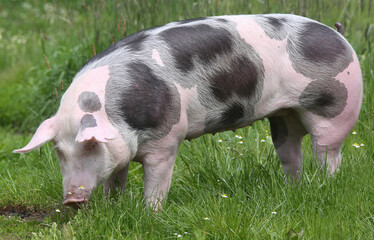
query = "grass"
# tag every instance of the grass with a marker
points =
(259, 204)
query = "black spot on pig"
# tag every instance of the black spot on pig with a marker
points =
(319, 52)
(326, 98)
(275, 22)
(319, 43)
(88, 121)
(200, 42)
(89, 102)
(234, 113)
(224, 119)
(221, 20)
(279, 131)
(133, 42)
(273, 26)
(242, 77)
(148, 103)
(191, 20)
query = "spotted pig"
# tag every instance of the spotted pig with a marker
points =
(141, 97)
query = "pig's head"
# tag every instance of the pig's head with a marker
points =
(89, 147)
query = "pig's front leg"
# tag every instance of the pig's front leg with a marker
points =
(158, 169)
(117, 180)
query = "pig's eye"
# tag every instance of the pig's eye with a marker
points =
(91, 146)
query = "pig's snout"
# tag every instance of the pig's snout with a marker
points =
(75, 203)
(77, 198)
(74, 200)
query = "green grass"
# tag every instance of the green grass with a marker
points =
(321, 207)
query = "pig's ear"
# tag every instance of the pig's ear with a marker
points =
(95, 128)
(45, 132)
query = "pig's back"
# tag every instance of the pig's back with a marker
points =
(228, 71)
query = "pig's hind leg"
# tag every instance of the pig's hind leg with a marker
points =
(330, 108)
(327, 136)
(287, 133)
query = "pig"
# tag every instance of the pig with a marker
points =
(140, 98)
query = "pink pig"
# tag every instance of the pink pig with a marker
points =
(140, 98)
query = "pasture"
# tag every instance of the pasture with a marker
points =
(227, 186)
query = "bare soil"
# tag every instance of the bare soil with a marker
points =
(30, 213)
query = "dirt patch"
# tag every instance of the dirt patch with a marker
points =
(24, 212)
